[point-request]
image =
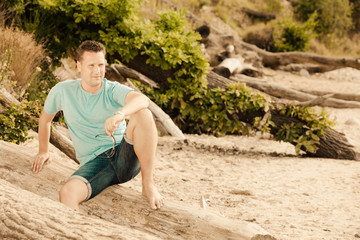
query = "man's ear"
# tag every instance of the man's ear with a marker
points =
(78, 65)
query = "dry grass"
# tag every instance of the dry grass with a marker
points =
(26, 54)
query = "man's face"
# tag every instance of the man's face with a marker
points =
(92, 68)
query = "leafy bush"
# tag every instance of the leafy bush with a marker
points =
(333, 16)
(305, 133)
(16, 121)
(290, 36)
(168, 43)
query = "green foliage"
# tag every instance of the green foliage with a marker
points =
(290, 36)
(218, 111)
(214, 111)
(169, 43)
(333, 16)
(16, 121)
(305, 133)
(41, 85)
(64, 24)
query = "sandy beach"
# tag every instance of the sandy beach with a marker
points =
(243, 179)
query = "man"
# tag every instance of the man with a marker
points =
(109, 151)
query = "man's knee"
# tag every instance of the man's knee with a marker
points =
(74, 190)
(143, 115)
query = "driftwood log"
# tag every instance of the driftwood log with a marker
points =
(231, 66)
(314, 62)
(279, 91)
(332, 144)
(258, 15)
(39, 215)
(343, 96)
(275, 60)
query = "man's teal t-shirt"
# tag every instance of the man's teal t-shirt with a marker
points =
(85, 114)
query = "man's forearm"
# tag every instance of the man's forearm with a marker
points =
(44, 131)
(135, 104)
(44, 136)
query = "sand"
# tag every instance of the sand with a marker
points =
(241, 179)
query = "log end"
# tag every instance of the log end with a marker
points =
(222, 71)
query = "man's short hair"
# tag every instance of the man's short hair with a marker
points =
(89, 46)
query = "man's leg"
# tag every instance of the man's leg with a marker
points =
(73, 193)
(142, 131)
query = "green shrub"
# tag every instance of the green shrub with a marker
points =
(168, 43)
(291, 36)
(333, 16)
(305, 133)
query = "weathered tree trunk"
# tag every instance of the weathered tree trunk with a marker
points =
(63, 143)
(231, 66)
(332, 143)
(275, 60)
(343, 96)
(292, 94)
(258, 15)
(25, 215)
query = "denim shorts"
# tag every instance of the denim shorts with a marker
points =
(102, 171)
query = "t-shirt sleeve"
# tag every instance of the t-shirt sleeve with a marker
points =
(53, 101)
(119, 93)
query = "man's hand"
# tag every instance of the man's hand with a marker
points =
(112, 123)
(39, 160)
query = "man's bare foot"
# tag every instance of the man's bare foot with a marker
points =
(153, 196)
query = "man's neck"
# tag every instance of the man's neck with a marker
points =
(90, 89)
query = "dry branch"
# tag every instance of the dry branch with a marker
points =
(343, 96)
(120, 74)
(288, 93)
(260, 15)
(274, 60)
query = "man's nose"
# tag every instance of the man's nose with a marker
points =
(97, 69)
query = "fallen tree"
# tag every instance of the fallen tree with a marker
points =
(275, 60)
(332, 144)
(292, 94)
(117, 213)
(278, 60)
